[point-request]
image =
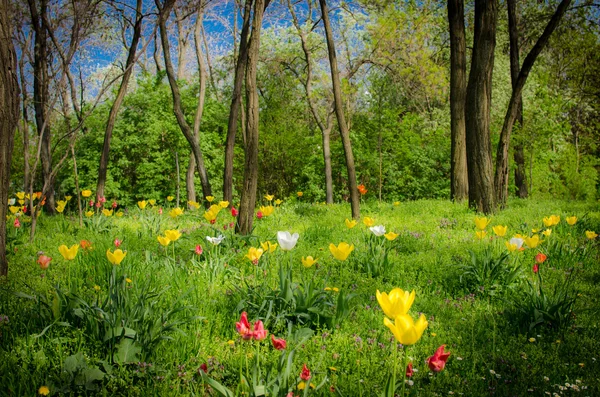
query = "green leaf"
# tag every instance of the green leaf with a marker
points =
(127, 351)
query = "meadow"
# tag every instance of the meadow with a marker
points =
(150, 300)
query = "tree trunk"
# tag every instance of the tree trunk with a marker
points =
(248, 196)
(114, 110)
(501, 176)
(337, 95)
(459, 179)
(478, 106)
(9, 117)
(236, 101)
(177, 107)
(77, 190)
(25, 121)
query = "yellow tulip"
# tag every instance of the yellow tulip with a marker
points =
(86, 193)
(591, 234)
(547, 232)
(480, 234)
(350, 223)
(482, 222)
(89, 214)
(164, 241)
(60, 208)
(175, 212)
(21, 202)
(254, 254)
(368, 221)
(500, 231)
(210, 198)
(334, 289)
(194, 204)
(107, 212)
(269, 197)
(172, 234)
(115, 258)
(405, 330)
(152, 202)
(396, 303)
(510, 247)
(571, 220)
(14, 209)
(170, 198)
(308, 261)
(268, 246)
(20, 195)
(532, 241)
(548, 221)
(210, 216)
(142, 204)
(68, 198)
(119, 214)
(68, 253)
(300, 194)
(342, 251)
(223, 204)
(268, 210)
(278, 202)
(555, 219)
(396, 203)
(391, 236)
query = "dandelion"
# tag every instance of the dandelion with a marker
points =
(44, 390)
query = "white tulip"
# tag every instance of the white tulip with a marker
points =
(378, 230)
(11, 201)
(286, 240)
(517, 241)
(216, 240)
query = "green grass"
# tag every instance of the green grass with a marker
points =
(191, 303)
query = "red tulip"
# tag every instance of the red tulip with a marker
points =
(114, 204)
(409, 370)
(305, 374)
(259, 215)
(278, 344)
(204, 368)
(243, 327)
(118, 242)
(198, 250)
(234, 212)
(438, 360)
(44, 261)
(540, 258)
(17, 223)
(91, 203)
(260, 332)
(536, 268)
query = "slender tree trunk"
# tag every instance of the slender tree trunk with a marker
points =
(9, 118)
(459, 179)
(77, 190)
(177, 107)
(514, 105)
(25, 123)
(478, 106)
(248, 196)
(236, 101)
(337, 95)
(114, 110)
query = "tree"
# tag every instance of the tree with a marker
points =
(459, 182)
(339, 111)
(114, 110)
(514, 105)
(9, 117)
(478, 106)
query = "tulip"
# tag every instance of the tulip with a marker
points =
(396, 203)
(405, 330)
(350, 223)
(536, 268)
(268, 210)
(164, 241)
(269, 197)
(119, 214)
(175, 212)
(68, 198)
(305, 374)
(89, 214)
(86, 193)
(16, 223)
(98, 204)
(510, 247)
(14, 209)
(142, 204)
(172, 235)
(44, 261)
(68, 253)
(107, 212)
(482, 222)
(21, 202)
(210, 199)
(555, 219)
(91, 203)
(378, 230)
(198, 250)
(20, 195)
(342, 251)
(409, 370)
(243, 327)
(43, 391)
(548, 221)
(396, 303)
(115, 258)
(223, 204)
(194, 204)
(286, 240)
(391, 236)
(591, 234)
(571, 220)
(170, 198)
(547, 232)
(160, 211)
(234, 212)
(210, 216)
(362, 190)
(368, 221)
(480, 234)
(517, 241)
(532, 241)
(11, 201)
(114, 205)
(259, 215)
(437, 362)
(215, 240)
(278, 202)
(85, 244)
(300, 194)
(500, 231)
(279, 344)
(308, 261)
(152, 202)
(260, 332)
(268, 247)
(117, 242)
(254, 254)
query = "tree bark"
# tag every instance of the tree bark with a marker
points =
(114, 110)
(236, 101)
(459, 179)
(9, 118)
(337, 95)
(501, 176)
(164, 12)
(248, 196)
(478, 106)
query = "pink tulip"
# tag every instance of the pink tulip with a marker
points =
(437, 362)
(278, 344)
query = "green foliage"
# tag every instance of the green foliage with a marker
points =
(490, 273)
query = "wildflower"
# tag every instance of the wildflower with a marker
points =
(480, 234)
(396, 203)
(268, 247)
(128, 280)
(305, 374)
(198, 250)
(378, 230)
(540, 258)
(173, 234)
(532, 241)
(68, 253)
(215, 240)
(362, 190)
(591, 234)
(210, 199)
(391, 236)
(405, 330)
(164, 241)
(342, 251)
(44, 261)
(309, 261)
(500, 231)
(286, 240)
(279, 344)
(115, 258)
(97, 288)
(43, 390)
(300, 194)
(437, 362)
(571, 220)
(254, 254)
(396, 303)
(350, 223)
(368, 221)
(142, 204)
(234, 212)
(269, 197)
(86, 193)
(482, 222)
